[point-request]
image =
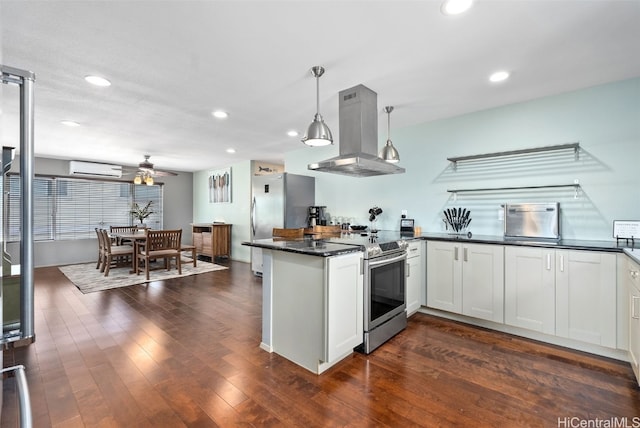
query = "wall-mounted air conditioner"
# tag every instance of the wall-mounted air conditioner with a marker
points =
(94, 169)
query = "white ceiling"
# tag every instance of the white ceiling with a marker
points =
(173, 62)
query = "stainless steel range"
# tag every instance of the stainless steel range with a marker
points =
(385, 260)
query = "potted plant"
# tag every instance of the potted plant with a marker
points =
(141, 213)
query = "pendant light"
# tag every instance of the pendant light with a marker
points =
(388, 152)
(318, 133)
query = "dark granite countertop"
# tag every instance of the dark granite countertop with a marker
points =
(568, 244)
(348, 244)
(308, 246)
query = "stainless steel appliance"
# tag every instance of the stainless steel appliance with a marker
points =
(358, 111)
(532, 220)
(278, 200)
(316, 216)
(385, 261)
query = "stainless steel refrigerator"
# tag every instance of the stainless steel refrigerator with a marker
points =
(278, 200)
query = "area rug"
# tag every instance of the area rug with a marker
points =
(88, 279)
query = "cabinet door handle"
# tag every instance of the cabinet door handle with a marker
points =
(408, 269)
(465, 257)
(634, 312)
(455, 253)
(549, 261)
(561, 263)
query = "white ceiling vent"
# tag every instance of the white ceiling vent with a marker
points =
(93, 169)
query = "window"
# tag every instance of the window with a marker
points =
(71, 208)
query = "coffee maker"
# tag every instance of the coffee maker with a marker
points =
(316, 216)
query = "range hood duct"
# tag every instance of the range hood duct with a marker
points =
(358, 111)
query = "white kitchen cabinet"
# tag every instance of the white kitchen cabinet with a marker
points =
(633, 286)
(415, 275)
(530, 288)
(566, 293)
(444, 276)
(315, 307)
(466, 279)
(344, 290)
(586, 296)
(483, 281)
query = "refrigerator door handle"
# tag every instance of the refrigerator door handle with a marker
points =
(253, 216)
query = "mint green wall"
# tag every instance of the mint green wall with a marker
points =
(236, 212)
(605, 120)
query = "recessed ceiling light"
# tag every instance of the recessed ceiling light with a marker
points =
(231, 150)
(70, 123)
(97, 80)
(220, 114)
(292, 133)
(499, 76)
(455, 7)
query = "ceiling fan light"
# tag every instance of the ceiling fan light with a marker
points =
(137, 180)
(389, 153)
(318, 133)
(149, 180)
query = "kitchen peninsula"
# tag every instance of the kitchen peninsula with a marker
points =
(312, 310)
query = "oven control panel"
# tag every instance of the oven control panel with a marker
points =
(381, 248)
(389, 246)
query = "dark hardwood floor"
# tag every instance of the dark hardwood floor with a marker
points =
(185, 353)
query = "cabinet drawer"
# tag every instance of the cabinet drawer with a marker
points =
(414, 249)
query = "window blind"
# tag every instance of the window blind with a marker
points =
(71, 208)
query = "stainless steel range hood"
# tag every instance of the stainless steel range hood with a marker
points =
(358, 111)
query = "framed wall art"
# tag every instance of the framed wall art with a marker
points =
(220, 186)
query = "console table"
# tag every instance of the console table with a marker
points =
(212, 239)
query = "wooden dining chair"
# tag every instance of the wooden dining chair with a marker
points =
(159, 244)
(100, 248)
(123, 229)
(287, 233)
(113, 253)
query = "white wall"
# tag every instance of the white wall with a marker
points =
(605, 120)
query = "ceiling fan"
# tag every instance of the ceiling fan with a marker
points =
(146, 172)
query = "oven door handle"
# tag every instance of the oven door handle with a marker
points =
(386, 261)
